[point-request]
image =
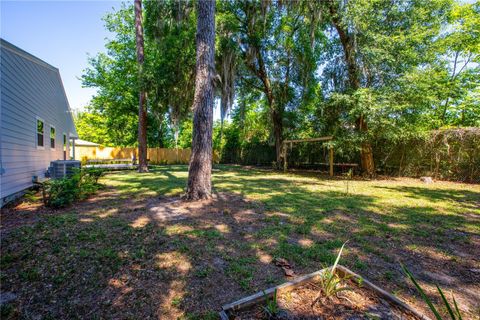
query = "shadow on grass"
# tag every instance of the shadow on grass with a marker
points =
(113, 257)
(466, 198)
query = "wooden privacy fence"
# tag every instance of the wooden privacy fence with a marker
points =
(155, 155)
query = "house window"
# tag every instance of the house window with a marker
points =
(40, 132)
(64, 146)
(52, 137)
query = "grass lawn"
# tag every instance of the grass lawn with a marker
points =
(135, 250)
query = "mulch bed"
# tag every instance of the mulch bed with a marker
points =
(298, 304)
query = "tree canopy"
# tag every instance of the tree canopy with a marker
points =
(363, 71)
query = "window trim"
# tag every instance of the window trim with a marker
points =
(36, 133)
(54, 137)
(64, 145)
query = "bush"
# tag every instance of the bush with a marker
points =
(94, 173)
(79, 185)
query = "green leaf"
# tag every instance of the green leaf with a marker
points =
(447, 304)
(422, 293)
(456, 308)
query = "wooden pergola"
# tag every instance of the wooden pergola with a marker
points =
(290, 143)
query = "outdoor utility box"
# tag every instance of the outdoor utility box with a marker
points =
(62, 168)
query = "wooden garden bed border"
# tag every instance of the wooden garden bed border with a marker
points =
(290, 285)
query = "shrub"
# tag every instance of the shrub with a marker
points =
(94, 173)
(79, 185)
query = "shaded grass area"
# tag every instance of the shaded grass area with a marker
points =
(109, 258)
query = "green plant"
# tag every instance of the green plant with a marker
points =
(389, 275)
(453, 311)
(60, 192)
(94, 173)
(348, 177)
(271, 306)
(331, 282)
(79, 184)
(30, 196)
(176, 302)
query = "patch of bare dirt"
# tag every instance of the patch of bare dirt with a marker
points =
(177, 258)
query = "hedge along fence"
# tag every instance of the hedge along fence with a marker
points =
(450, 154)
(155, 155)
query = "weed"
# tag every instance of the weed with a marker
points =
(176, 302)
(360, 265)
(203, 272)
(270, 279)
(30, 275)
(348, 178)
(388, 275)
(208, 315)
(271, 308)
(242, 271)
(6, 259)
(359, 282)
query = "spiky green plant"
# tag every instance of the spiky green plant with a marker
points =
(330, 283)
(453, 311)
(271, 306)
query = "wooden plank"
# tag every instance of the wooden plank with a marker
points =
(290, 285)
(223, 315)
(342, 271)
(327, 138)
(262, 295)
(334, 164)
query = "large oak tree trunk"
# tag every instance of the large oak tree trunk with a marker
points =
(276, 114)
(277, 133)
(199, 184)
(366, 153)
(142, 109)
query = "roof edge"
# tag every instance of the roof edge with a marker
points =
(13, 48)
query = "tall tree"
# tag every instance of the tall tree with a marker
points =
(142, 101)
(279, 48)
(347, 39)
(199, 184)
(171, 26)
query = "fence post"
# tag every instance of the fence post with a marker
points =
(330, 162)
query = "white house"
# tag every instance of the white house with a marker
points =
(36, 124)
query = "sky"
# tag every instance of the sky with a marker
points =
(61, 33)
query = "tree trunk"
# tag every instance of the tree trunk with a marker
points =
(366, 153)
(199, 184)
(277, 132)
(142, 110)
